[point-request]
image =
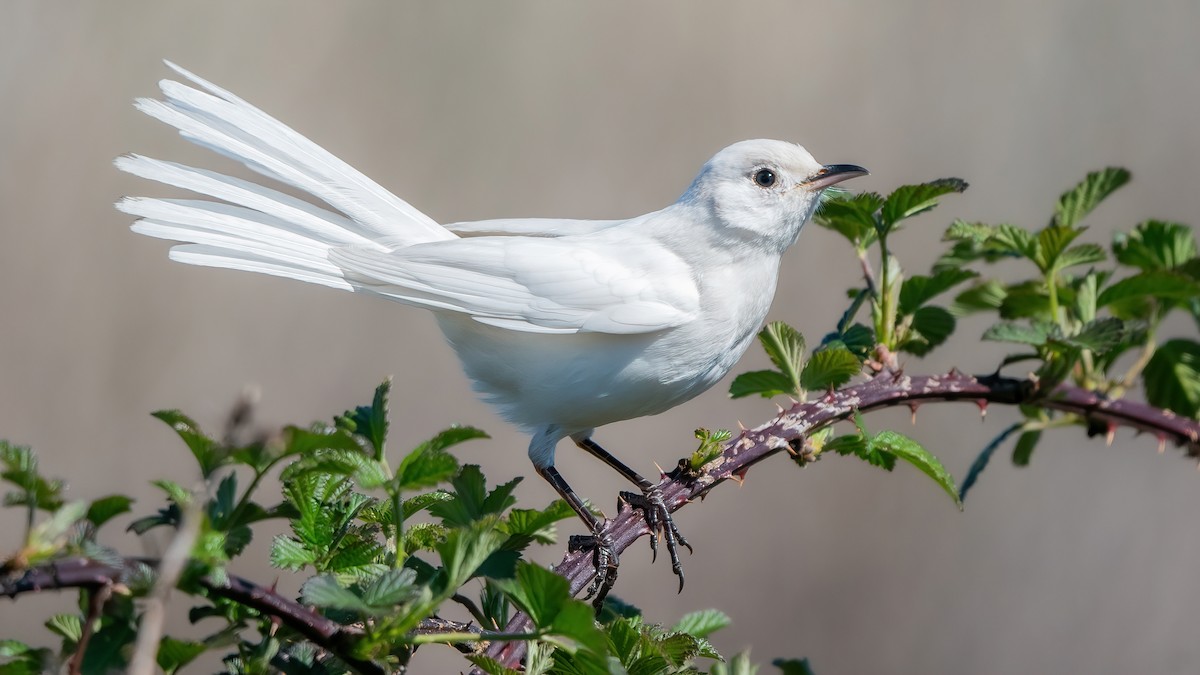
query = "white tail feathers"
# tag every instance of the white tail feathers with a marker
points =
(253, 227)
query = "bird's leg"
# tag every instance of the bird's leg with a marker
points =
(604, 555)
(650, 501)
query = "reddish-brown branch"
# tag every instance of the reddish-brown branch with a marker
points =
(885, 390)
(787, 430)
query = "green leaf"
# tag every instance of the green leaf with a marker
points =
(525, 526)
(21, 469)
(1075, 204)
(106, 508)
(370, 422)
(1026, 443)
(912, 452)
(1029, 334)
(415, 505)
(766, 383)
(393, 587)
(702, 623)
(1153, 284)
(540, 593)
(1172, 378)
(471, 501)
(851, 216)
(1083, 254)
(1051, 243)
(793, 666)
(576, 621)
(785, 347)
(465, 549)
(985, 457)
(289, 554)
(324, 591)
(909, 200)
(859, 339)
(920, 289)
(982, 297)
(710, 447)
(68, 626)
(174, 654)
(931, 325)
(424, 467)
(1100, 335)
(491, 666)
(1155, 245)
(829, 368)
(210, 454)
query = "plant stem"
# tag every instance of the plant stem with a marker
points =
(485, 636)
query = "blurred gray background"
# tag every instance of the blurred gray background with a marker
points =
(1083, 563)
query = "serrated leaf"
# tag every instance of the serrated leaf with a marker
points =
(1023, 451)
(1083, 254)
(1155, 245)
(1075, 204)
(829, 368)
(540, 593)
(67, 626)
(471, 501)
(105, 509)
(785, 347)
(415, 505)
(209, 454)
(739, 664)
(174, 654)
(393, 587)
(702, 623)
(920, 289)
(1154, 284)
(370, 422)
(1051, 243)
(859, 339)
(679, 648)
(491, 666)
(909, 200)
(1172, 378)
(324, 591)
(1029, 334)
(524, 526)
(576, 621)
(982, 297)
(851, 216)
(466, 548)
(290, 554)
(424, 537)
(932, 325)
(765, 383)
(912, 452)
(21, 469)
(424, 467)
(1099, 335)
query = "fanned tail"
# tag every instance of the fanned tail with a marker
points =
(253, 227)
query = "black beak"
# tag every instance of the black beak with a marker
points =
(832, 174)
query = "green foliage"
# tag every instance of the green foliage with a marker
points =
(383, 543)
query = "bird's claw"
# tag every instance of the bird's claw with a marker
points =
(604, 556)
(658, 519)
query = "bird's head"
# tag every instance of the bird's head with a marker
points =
(764, 189)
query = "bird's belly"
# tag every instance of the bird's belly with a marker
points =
(585, 380)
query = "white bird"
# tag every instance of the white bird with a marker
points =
(562, 325)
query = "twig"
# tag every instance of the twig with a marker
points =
(886, 389)
(150, 628)
(97, 597)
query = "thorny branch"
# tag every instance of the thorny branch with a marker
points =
(887, 389)
(330, 635)
(786, 432)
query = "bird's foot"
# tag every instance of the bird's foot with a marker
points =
(604, 556)
(658, 518)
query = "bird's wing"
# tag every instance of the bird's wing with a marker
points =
(534, 284)
(529, 227)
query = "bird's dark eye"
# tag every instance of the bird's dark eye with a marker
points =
(764, 178)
